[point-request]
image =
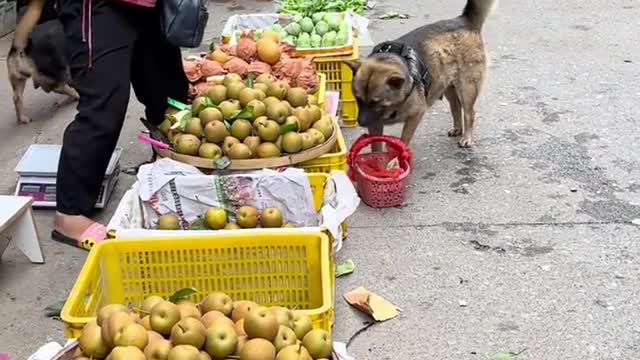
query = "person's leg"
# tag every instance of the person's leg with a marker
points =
(156, 71)
(101, 74)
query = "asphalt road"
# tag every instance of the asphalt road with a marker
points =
(523, 242)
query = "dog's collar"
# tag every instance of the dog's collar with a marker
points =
(417, 68)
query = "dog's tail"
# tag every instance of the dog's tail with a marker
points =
(477, 11)
(27, 23)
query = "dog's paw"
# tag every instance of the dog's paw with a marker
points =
(465, 142)
(24, 119)
(454, 132)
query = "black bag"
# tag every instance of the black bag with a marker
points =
(183, 21)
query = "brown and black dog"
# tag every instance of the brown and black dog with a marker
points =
(39, 52)
(401, 79)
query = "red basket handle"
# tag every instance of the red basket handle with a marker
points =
(404, 153)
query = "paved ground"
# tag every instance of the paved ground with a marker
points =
(530, 229)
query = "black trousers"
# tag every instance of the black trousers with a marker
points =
(112, 46)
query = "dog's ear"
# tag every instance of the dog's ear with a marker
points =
(353, 64)
(395, 81)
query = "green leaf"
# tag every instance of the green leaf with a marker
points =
(249, 82)
(182, 294)
(346, 268)
(285, 128)
(246, 113)
(181, 118)
(203, 105)
(221, 163)
(177, 104)
(54, 310)
(199, 224)
(506, 355)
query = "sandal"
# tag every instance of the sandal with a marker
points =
(95, 234)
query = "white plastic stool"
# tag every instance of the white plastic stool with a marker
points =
(17, 224)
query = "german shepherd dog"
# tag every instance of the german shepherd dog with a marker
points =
(38, 51)
(401, 79)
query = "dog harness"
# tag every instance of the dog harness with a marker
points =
(417, 68)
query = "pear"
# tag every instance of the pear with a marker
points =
(158, 350)
(241, 128)
(242, 308)
(234, 89)
(228, 143)
(210, 151)
(168, 222)
(325, 126)
(126, 353)
(285, 337)
(269, 131)
(252, 142)
(267, 150)
(194, 127)
(229, 108)
(91, 342)
(231, 78)
(240, 152)
(270, 100)
(210, 114)
(316, 135)
(217, 94)
(188, 144)
(262, 87)
(258, 108)
(215, 132)
(297, 97)
(267, 79)
(278, 112)
(304, 116)
(259, 121)
(307, 141)
(291, 142)
(258, 349)
(316, 113)
(246, 95)
(319, 344)
(294, 352)
(107, 310)
(165, 126)
(217, 301)
(277, 90)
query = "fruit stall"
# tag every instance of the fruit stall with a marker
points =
(224, 246)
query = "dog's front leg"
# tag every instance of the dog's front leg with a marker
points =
(410, 126)
(18, 85)
(376, 129)
(65, 89)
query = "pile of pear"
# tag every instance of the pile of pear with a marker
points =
(241, 119)
(216, 328)
(216, 218)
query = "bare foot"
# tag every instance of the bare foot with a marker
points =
(72, 226)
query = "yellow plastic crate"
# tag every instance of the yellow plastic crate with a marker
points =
(270, 267)
(322, 88)
(338, 78)
(336, 159)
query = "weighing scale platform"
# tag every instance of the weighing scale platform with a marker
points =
(37, 172)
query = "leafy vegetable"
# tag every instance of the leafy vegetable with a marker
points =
(309, 7)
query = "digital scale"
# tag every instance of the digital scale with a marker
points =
(37, 172)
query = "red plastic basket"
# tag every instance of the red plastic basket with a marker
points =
(377, 187)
